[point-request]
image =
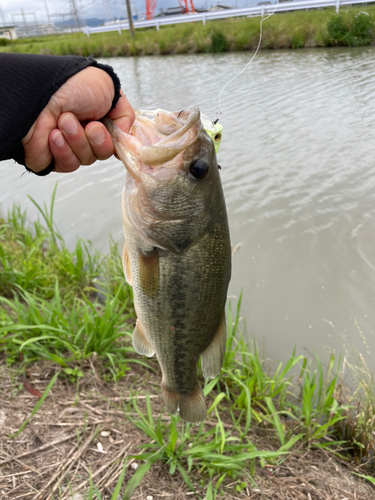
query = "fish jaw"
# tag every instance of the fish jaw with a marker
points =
(126, 147)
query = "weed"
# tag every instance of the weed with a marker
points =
(353, 32)
(362, 30)
(337, 28)
(297, 41)
(219, 42)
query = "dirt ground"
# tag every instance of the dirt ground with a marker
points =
(78, 433)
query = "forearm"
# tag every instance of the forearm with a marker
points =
(27, 83)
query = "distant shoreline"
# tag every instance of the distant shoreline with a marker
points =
(299, 29)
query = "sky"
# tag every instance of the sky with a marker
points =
(90, 8)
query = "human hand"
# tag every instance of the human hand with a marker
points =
(67, 131)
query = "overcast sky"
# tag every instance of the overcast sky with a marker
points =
(87, 8)
(91, 8)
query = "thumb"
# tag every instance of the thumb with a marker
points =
(123, 114)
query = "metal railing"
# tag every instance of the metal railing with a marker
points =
(259, 10)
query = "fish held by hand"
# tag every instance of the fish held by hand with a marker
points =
(177, 253)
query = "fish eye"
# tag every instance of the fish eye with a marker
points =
(217, 137)
(199, 169)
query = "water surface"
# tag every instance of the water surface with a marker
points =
(298, 169)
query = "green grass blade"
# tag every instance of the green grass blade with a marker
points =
(139, 475)
(276, 420)
(117, 489)
(38, 405)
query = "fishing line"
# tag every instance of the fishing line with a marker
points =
(219, 110)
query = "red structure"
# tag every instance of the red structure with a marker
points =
(150, 8)
(187, 7)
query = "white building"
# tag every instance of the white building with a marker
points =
(8, 32)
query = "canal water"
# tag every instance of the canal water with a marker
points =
(298, 170)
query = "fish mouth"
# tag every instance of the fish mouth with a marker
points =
(173, 132)
(156, 138)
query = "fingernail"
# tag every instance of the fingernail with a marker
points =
(69, 125)
(97, 135)
(58, 139)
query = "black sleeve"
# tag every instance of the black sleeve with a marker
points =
(27, 82)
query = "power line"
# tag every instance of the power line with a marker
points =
(2, 15)
(45, 3)
(74, 13)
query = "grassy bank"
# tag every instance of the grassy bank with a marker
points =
(314, 28)
(74, 394)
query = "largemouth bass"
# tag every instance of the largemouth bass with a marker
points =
(177, 252)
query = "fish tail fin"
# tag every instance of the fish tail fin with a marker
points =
(212, 357)
(193, 406)
(171, 399)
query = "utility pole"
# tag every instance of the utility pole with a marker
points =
(2, 16)
(48, 18)
(74, 12)
(24, 22)
(106, 10)
(130, 18)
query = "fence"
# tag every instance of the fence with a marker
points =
(258, 10)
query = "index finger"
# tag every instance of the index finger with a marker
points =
(123, 115)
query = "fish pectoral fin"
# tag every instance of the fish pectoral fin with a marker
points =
(140, 342)
(148, 266)
(212, 357)
(193, 406)
(126, 266)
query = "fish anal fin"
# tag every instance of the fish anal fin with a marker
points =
(149, 273)
(212, 357)
(171, 399)
(193, 406)
(126, 265)
(140, 342)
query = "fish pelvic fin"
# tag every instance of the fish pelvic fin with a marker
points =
(140, 342)
(193, 407)
(212, 357)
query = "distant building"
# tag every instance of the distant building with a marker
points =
(174, 11)
(8, 32)
(47, 29)
(219, 6)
